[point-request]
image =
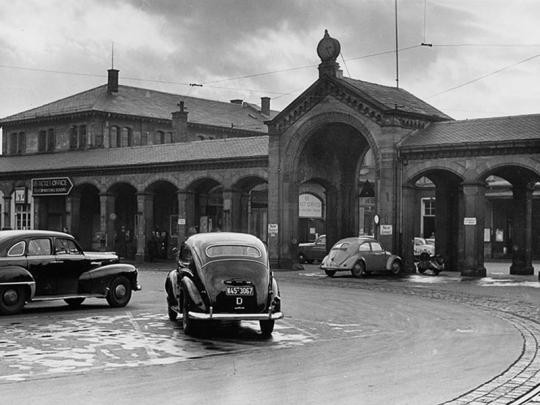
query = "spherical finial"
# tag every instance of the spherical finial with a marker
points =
(328, 48)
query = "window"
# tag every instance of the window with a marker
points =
(429, 207)
(17, 143)
(39, 247)
(232, 250)
(42, 141)
(126, 138)
(13, 143)
(98, 140)
(82, 136)
(66, 247)
(168, 137)
(51, 140)
(160, 137)
(113, 137)
(376, 247)
(22, 216)
(144, 138)
(17, 249)
(364, 247)
(73, 138)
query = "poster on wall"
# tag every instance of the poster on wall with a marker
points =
(20, 195)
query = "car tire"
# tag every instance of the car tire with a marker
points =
(396, 267)
(267, 327)
(74, 302)
(359, 269)
(173, 315)
(330, 273)
(119, 292)
(12, 299)
(188, 325)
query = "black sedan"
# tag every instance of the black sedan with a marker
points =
(223, 276)
(46, 265)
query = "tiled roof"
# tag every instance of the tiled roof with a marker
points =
(152, 104)
(185, 152)
(390, 97)
(497, 129)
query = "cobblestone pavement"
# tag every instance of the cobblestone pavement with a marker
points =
(516, 299)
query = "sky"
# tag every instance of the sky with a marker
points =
(484, 60)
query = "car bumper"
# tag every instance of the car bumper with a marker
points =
(234, 317)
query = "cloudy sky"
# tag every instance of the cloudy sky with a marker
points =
(485, 58)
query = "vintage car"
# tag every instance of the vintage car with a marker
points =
(223, 276)
(47, 265)
(308, 252)
(361, 256)
(422, 245)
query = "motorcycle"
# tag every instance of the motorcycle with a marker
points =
(434, 263)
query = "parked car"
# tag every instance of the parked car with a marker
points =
(223, 276)
(422, 245)
(361, 256)
(47, 265)
(308, 252)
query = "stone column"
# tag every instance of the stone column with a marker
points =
(140, 232)
(245, 212)
(186, 214)
(522, 230)
(231, 210)
(409, 196)
(7, 212)
(106, 223)
(73, 214)
(473, 230)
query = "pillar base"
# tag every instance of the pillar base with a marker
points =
(139, 258)
(522, 270)
(474, 272)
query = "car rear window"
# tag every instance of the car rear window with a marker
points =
(340, 246)
(232, 250)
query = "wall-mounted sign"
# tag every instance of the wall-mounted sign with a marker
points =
(20, 195)
(272, 229)
(385, 230)
(51, 186)
(309, 206)
(469, 221)
(181, 221)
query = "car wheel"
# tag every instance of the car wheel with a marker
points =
(173, 315)
(301, 258)
(11, 300)
(74, 302)
(330, 273)
(119, 292)
(188, 324)
(396, 267)
(267, 327)
(359, 269)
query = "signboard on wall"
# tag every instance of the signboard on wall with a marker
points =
(20, 195)
(51, 186)
(309, 206)
(469, 221)
(272, 229)
(385, 230)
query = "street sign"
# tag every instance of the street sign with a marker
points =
(51, 186)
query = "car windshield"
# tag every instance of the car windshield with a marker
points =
(232, 250)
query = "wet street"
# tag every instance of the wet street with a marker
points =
(380, 340)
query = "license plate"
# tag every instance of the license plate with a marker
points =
(246, 290)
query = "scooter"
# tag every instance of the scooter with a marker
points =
(434, 263)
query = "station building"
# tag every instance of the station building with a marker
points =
(116, 165)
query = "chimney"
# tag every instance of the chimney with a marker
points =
(265, 105)
(237, 101)
(112, 84)
(179, 123)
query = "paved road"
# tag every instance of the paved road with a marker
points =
(417, 340)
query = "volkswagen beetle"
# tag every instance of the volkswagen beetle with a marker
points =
(46, 265)
(361, 256)
(223, 276)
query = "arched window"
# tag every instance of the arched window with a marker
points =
(73, 137)
(113, 137)
(160, 137)
(126, 138)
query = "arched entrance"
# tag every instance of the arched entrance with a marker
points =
(328, 164)
(249, 206)
(208, 201)
(123, 219)
(162, 221)
(85, 212)
(512, 224)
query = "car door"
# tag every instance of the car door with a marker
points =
(42, 265)
(377, 257)
(71, 263)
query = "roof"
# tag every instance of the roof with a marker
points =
(141, 102)
(497, 129)
(8, 234)
(395, 98)
(231, 148)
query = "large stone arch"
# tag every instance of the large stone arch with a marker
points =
(249, 204)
